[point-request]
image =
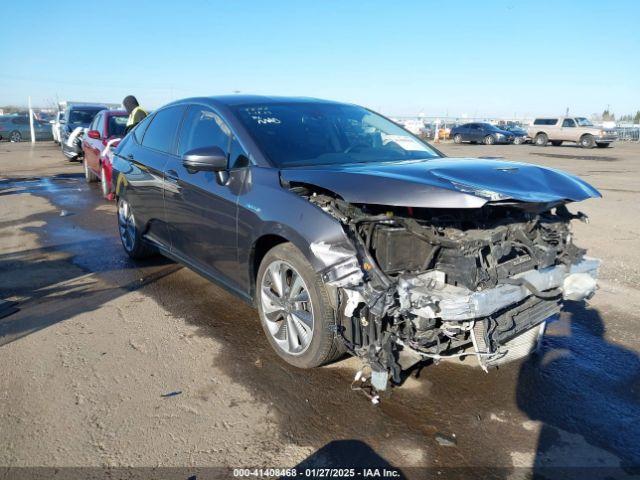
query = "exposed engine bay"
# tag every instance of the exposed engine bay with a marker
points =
(443, 283)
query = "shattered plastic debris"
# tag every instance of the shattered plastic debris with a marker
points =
(171, 394)
(446, 440)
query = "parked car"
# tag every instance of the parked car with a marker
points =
(520, 135)
(480, 133)
(77, 118)
(16, 128)
(104, 133)
(556, 130)
(56, 127)
(351, 234)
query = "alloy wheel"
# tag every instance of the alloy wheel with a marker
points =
(15, 137)
(126, 225)
(287, 307)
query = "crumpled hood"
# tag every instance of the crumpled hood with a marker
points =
(443, 183)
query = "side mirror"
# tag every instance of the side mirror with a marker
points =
(208, 159)
(94, 134)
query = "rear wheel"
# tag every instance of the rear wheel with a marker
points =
(587, 141)
(130, 235)
(457, 138)
(556, 143)
(294, 309)
(89, 176)
(489, 140)
(541, 139)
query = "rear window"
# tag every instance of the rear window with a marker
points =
(83, 116)
(117, 126)
(545, 121)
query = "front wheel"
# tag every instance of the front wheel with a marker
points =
(294, 309)
(457, 138)
(15, 136)
(130, 235)
(518, 141)
(489, 140)
(587, 141)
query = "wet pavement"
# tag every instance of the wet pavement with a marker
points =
(574, 405)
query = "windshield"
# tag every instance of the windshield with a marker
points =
(583, 122)
(82, 117)
(117, 125)
(300, 134)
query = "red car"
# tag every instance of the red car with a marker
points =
(104, 134)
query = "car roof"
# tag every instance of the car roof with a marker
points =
(87, 106)
(238, 99)
(115, 113)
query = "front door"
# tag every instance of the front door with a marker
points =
(568, 130)
(201, 206)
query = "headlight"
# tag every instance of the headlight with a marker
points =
(603, 133)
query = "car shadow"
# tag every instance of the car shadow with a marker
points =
(585, 390)
(345, 459)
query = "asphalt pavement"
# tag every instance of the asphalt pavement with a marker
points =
(113, 363)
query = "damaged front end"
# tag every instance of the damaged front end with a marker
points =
(440, 283)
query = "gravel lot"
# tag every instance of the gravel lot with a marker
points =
(98, 340)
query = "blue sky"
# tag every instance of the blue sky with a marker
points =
(492, 57)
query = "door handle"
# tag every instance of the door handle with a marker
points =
(171, 175)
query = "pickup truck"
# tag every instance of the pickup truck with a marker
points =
(580, 130)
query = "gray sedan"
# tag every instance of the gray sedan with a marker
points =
(16, 128)
(350, 234)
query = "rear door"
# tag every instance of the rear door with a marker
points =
(152, 146)
(201, 207)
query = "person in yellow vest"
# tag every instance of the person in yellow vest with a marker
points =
(135, 111)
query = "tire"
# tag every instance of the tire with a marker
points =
(132, 241)
(489, 140)
(457, 138)
(105, 186)
(315, 341)
(89, 176)
(518, 141)
(556, 143)
(603, 145)
(541, 140)
(15, 136)
(587, 141)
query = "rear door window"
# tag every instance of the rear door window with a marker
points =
(138, 130)
(568, 122)
(161, 132)
(116, 125)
